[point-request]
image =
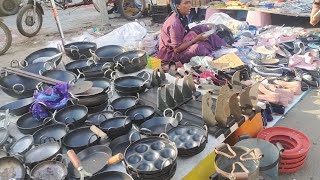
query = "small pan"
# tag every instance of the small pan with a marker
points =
(111, 175)
(22, 145)
(116, 126)
(130, 83)
(157, 125)
(140, 114)
(101, 82)
(50, 170)
(11, 168)
(28, 125)
(122, 104)
(54, 132)
(74, 114)
(92, 160)
(97, 118)
(79, 50)
(18, 107)
(60, 75)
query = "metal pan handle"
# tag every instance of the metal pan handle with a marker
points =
(135, 58)
(130, 137)
(121, 60)
(15, 64)
(63, 159)
(111, 108)
(98, 132)
(125, 121)
(18, 91)
(106, 64)
(148, 78)
(118, 65)
(90, 62)
(145, 131)
(72, 118)
(81, 73)
(138, 114)
(113, 75)
(178, 116)
(89, 141)
(239, 175)
(166, 127)
(39, 86)
(99, 117)
(164, 135)
(110, 92)
(108, 70)
(165, 112)
(203, 140)
(25, 62)
(117, 112)
(205, 127)
(164, 163)
(115, 159)
(218, 149)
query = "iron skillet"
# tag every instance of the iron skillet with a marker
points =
(131, 61)
(122, 104)
(54, 132)
(74, 66)
(74, 115)
(79, 50)
(140, 114)
(111, 175)
(28, 125)
(107, 53)
(157, 125)
(11, 167)
(18, 107)
(116, 126)
(46, 52)
(130, 83)
(60, 75)
(97, 118)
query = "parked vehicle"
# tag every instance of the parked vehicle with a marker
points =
(9, 7)
(5, 38)
(29, 19)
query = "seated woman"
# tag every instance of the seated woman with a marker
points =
(178, 42)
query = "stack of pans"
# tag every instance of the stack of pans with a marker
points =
(296, 147)
(151, 158)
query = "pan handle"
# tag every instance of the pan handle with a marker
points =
(164, 135)
(105, 73)
(117, 112)
(131, 61)
(106, 64)
(164, 163)
(130, 137)
(237, 175)
(138, 114)
(203, 139)
(98, 132)
(15, 64)
(93, 54)
(205, 127)
(166, 127)
(125, 121)
(72, 82)
(74, 159)
(124, 57)
(110, 92)
(111, 108)
(165, 113)
(89, 141)
(63, 160)
(81, 73)
(146, 131)
(113, 75)
(72, 118)
(115, 159)
(218, 149)
(178, 116)
(39, 86)
(50, 65)
(18, 91)
(119, 64)
(148, 78)
(90, 62)
(99, 117)
(25, 62)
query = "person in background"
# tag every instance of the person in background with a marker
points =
(179, 43)
(315, 9)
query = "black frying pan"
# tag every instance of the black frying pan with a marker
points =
(74, 114)
(101, 82)
(97, 118)
(80, 138)
(107, 53)
(120, 144)
(130, 83)
(22, 145)
(111, 175)
(97, 70)
(50, 133)
(28, 125)
(60, 75)
(124, 103)
(45, 52)
(141, 113)
(18, 107)
(131, 61)
(98, 108)
(79, 50)
(11, 167)
(116, 126)
(73, 66)
(39, 66)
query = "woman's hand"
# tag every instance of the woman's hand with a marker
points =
(200, 37)
(314, 21)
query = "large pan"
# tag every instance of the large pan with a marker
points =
(101, 82)
(54, 132)
(122, 104)
(80, 139)
(97, 118)
(18, 107)
(11, 168)
(27, 124)
(140, 114)
(97, 70)
(116, 126)
(45, 52)
(130, 83)
(60, 75)
(79, 50)
(107, 53)
(74, 66)
(131, 61)
(34, 67)
(74, 115)
(120, 144)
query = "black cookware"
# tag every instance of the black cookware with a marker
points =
(97, 108)
(150, 155)
(45, 52)
(157, 125)
(107, 53)
(41, 153)
(97, 70)
(141, 113)
(54, 132)
(122, 104)
(27, 124)
(111, 175)
(74, 115)
(50, 170)
(131, 61)
(18, 107)
(36, 68)
(73, 66)
(120, 144)
(12, 168)
(22, 145)
(97, 118)
(79, 50)
(116, 126)
(189, 139)
(80, 138)
(60, 75)
(101, 82)
(130, 83)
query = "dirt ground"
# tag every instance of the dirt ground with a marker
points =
(304, 117)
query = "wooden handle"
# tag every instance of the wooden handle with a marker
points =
(115, 159)
(98, 132)
(74, 159)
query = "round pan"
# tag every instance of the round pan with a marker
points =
(98, 108)
(141, 113)
(129, 83)
(79, 50)
(18, 107)
(4, 135)
(45, 52)
(92, 101)
(116, 126)
(111, 175)
(101, 82)
(97, 118)
(80, 138)
(120, 144)
(124, 103)
(42, 152)
(39, 66)
(92, 159)
(54, 132)
(22, 145)
(97, 70)
(60, 75)
(157, 125)
(131, 61)
(73, 66)
(11, 167)
(74, 114)
(49, 170)
(28, 125)
(107, 53)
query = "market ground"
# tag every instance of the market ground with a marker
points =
(304, 117)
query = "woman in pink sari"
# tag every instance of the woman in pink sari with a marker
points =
(178, 42)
